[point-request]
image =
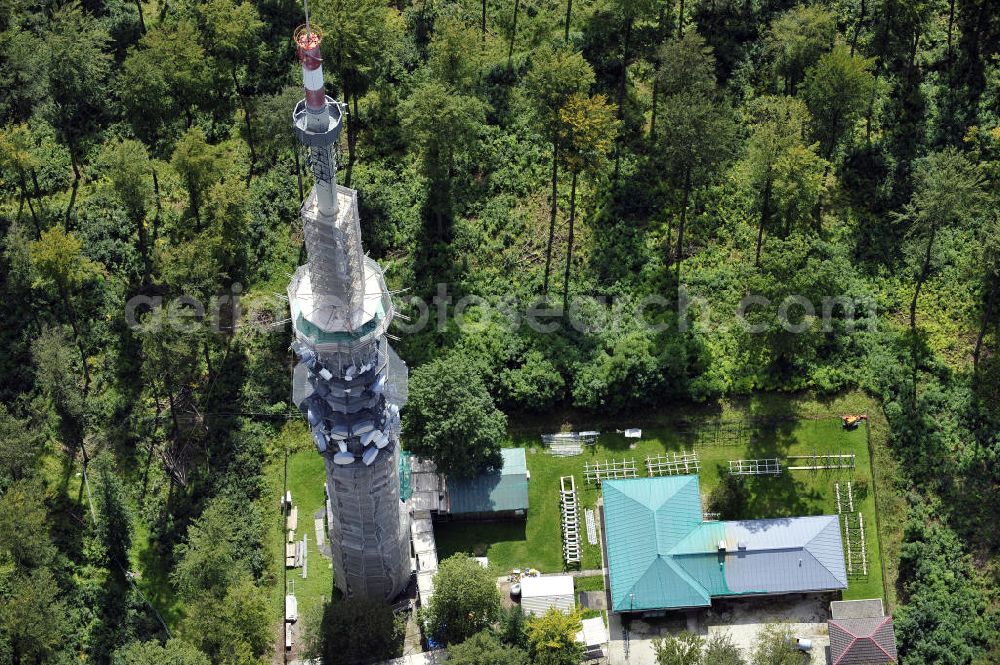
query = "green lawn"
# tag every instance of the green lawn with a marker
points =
(306, 478)
(591, 583)
(537, 542)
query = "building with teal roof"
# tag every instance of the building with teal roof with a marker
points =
(494, 494)
(663, 555)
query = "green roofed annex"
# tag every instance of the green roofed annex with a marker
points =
(500, 492)
(663, 555)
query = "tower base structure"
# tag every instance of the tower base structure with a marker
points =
(350, 385)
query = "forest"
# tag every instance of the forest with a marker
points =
(593, 159)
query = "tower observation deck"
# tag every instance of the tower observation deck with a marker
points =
(349, 383)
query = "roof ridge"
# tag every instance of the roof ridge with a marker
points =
(695, 584)
(847, 649)
(820, 531)
(807, 544)
(678, 570)
(821, 564)
(874, 635)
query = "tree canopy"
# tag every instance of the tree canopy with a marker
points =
(451, 418)
(465, 602)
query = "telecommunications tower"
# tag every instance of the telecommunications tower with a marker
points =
(348, 382)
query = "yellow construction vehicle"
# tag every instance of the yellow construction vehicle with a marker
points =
(853, 420)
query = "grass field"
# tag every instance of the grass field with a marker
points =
(306, 478)
(537, 542)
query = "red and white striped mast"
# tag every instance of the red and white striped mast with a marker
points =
(317, 119)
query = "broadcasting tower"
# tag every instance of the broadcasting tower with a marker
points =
(348, 382)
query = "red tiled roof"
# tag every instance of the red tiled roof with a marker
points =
(862, 641)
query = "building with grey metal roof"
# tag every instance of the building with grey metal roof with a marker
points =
(663, 555)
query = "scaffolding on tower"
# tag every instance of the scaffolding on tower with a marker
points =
(349, 383)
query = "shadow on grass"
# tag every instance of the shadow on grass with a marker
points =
(475, 539)
(780, 496)
(155, 583)
(766, 497)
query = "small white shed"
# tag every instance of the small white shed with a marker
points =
(538, 594)
(593, 637)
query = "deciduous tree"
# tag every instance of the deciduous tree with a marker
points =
(360, 38)
(174, 652)
(798, 38)
(234, 629)
(699, 126)
(441, 124)
(682, 649)
(948, 193)
(465, 602)
(556, 74)
(62, 268)
(79, 67)
(18, 159)
(33, 616)
(587, 133)
(24, 535)
(233, 35)
(553, 638)
(21, 446)
(785, 173)
(485, 649)
(164, 77)
(126, 164)
(836, 90)
(720, 650)
(199, 165)
(451, 418)
(775, 645)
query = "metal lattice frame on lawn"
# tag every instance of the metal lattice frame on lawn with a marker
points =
(570, 519)
(567, 444)
(854, 542)
(348, 383)
(824, 462)
(850, 497)
(755, 467)
(673, 464)
(595, 472)
(717, 432)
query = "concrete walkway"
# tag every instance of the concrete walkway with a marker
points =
(571, 573)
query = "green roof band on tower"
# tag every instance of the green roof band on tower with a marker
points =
(319, 336)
